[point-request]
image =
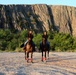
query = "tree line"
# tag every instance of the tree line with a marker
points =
(11, 41)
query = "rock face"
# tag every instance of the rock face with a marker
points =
(39, 17)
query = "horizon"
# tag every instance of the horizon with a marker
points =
(38, 4)
(71, 3)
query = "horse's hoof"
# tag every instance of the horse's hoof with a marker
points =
(27, 61)
(31, 61)
(44, 59)
(41, 60)
(25, 58)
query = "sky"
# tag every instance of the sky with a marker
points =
(48, 2)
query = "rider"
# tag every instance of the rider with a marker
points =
(46, 37)
(30, 35)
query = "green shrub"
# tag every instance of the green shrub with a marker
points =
(62, 42)
(37, 39)
(58, 41)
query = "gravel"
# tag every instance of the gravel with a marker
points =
(59, 63)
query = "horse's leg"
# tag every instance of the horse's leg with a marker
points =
(27, 56)
(48, 54)
(42, 55)
(45, 55)
(32, 57)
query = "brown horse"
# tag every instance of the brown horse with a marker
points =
(28, 48)
(44, 48)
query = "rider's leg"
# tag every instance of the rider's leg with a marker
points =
(25, 42)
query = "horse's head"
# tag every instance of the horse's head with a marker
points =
(43, 41)
(29, 39)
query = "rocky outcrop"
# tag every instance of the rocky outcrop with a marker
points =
(38, 17)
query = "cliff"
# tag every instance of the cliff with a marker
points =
(38, 17)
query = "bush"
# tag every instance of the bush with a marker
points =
(62, 42)
(37, 39)
(58, 41)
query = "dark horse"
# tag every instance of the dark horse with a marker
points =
(28, 48)
(44, 46)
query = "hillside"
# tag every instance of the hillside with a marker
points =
(38, 17)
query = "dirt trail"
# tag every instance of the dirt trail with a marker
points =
(59, 63)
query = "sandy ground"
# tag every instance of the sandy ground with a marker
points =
(59, 63)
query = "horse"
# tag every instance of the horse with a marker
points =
(44, 46)
(28, 48)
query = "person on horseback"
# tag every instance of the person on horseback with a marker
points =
(44, 46)
(30, 35)
(46, 37)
